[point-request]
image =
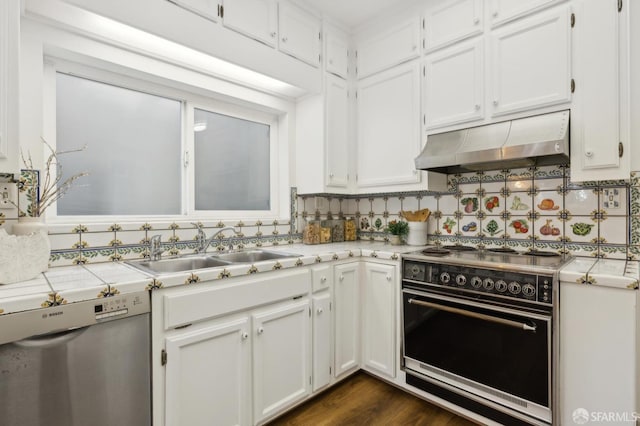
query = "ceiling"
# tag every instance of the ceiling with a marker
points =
(352, 13)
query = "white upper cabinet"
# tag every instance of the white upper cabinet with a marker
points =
(336, 52)
(9, 59)
(531, 62)
(257, 19)
(390, 47)
(389, 127)
(599, 117)
(337, 131)
(451, 22)
(206, 8)
(299, 33)
(502, 11)
(454, 85)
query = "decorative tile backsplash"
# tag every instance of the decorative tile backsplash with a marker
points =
(525, 209)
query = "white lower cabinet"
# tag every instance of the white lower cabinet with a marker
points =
(281, 357)
(322, 347)
(379, 293)
(598, 347)
(208, 375)
(346, 311)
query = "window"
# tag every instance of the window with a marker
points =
(159, 151)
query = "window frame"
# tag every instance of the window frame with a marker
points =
(189, 101)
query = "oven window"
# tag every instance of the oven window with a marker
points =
(505, 358)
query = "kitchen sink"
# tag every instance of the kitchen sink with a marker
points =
(178, 264)
(250, 256)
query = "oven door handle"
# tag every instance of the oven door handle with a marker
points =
(484, 317)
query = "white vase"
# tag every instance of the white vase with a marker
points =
(417, 234)
(28, 225)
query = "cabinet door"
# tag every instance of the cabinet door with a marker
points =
(598, 352)
(208, 376)
(502, 11)
(393, 46)
(530, 63)
(336, 53)
(299, 34)
(205, 8)
(389, 127)
(596, 112)
(379, 319)
(9, 72)
(454, 85)
(452, 21)
(256, 18)
(281, 357)
(337, 139)
(346, 316)
(321, 314)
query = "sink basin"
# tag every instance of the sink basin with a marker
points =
(178, 264)
(251, 256)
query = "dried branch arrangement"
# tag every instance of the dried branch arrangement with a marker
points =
(52, 188)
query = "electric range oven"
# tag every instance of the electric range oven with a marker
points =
(479, 330)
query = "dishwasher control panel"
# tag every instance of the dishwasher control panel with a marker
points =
(115, 306)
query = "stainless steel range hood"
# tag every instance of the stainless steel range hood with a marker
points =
(532, 141)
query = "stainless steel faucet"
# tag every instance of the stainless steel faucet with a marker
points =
(202, 243)
(155, 247)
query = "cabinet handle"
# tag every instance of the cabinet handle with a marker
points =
(323, 280)
(284, 39)
(319, 311)
(273, 34)
(260, 330)
(588, 154)
(476, 20)
(244, 335)
(477, 107)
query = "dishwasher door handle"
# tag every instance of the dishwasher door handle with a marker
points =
(52, 339)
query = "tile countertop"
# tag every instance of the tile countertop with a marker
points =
(70, 284)
(604, 272)
(85, 282)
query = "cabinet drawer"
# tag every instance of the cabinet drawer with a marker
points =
(196, 304)
(321, 277)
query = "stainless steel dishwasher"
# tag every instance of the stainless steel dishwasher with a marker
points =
(85, 363)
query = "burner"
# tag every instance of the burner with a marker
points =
(541, 253)
(459, 248)
(435, 251)
(502, 250)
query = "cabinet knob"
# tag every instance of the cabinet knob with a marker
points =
(319, 311)
(388, 277)
(273, 34)
(331, 175)
(331, 61)
(588, 154)
(476, 20)
(284, 39)
(495, 102)
(244, 335)
(323, 280)
(495, 14)
(341, 278)
(415, 47)
(477, 107)
(260, 330)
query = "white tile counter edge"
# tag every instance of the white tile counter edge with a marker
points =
(623, 274)
(69, 284)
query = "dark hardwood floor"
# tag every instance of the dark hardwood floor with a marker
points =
(364, 400)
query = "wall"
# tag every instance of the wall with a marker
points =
(611, 231)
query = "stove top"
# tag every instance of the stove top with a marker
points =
(504, 259)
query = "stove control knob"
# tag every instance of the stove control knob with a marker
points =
(501, 286)
(488, 284)
(445, 277)
(461, 280)
(528, 290)
(476, 282)
(514, 287)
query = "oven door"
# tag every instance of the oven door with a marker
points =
(500, 354)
